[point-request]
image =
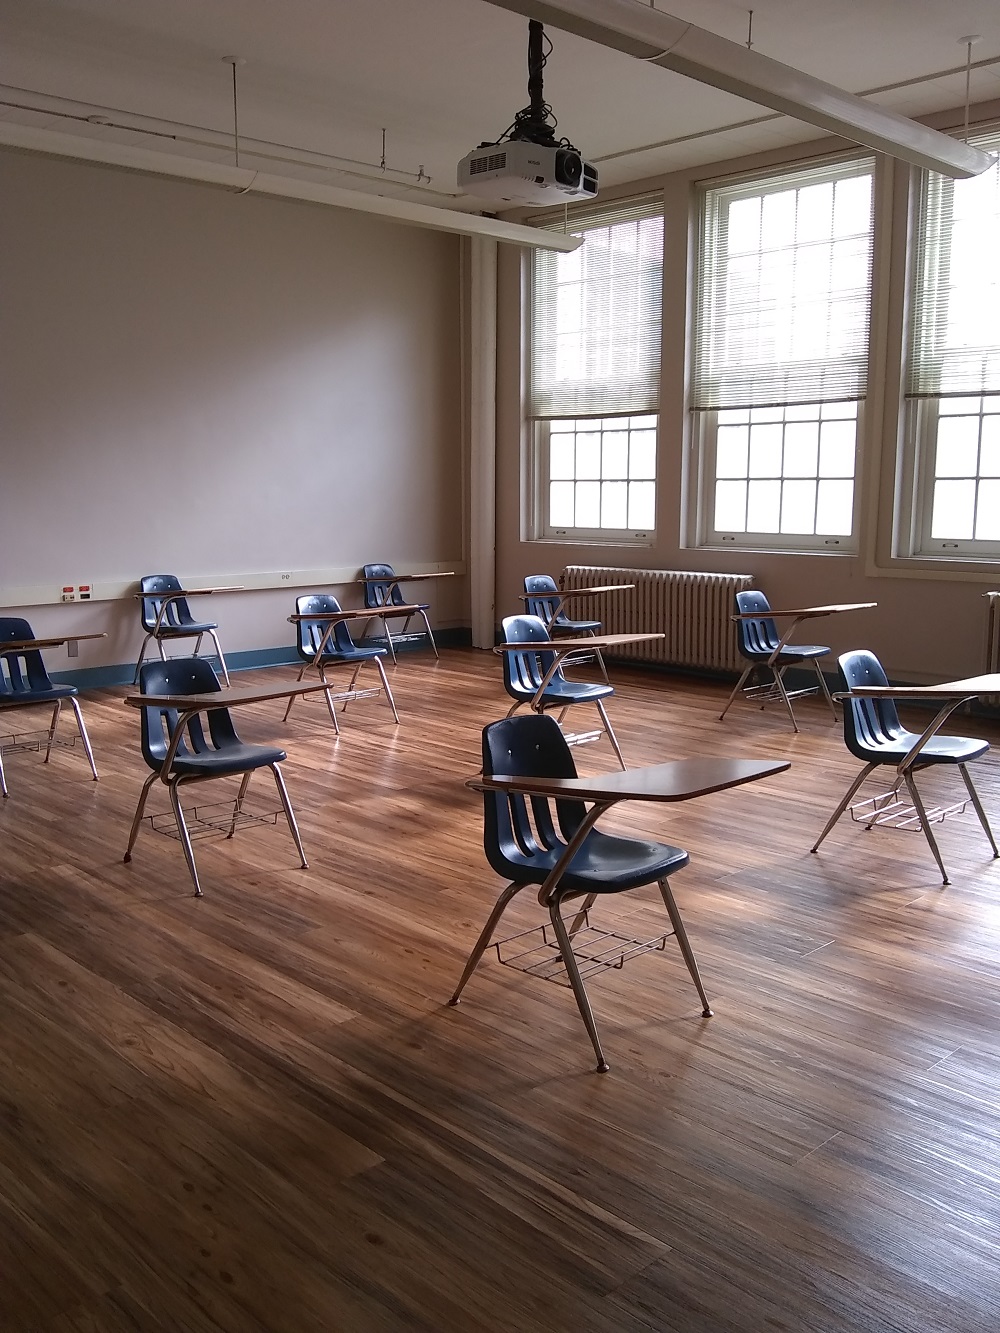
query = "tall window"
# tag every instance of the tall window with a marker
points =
(595, 377)
(780, 368)
(953, 384)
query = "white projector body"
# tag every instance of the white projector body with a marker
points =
(519, 172)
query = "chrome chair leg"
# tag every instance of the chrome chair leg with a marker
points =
(388, 639)
(385, 687)
(3, 780)
(581, 914)
(279, 782)
(137, 820)
(610, 731)
(222, 661)
(868, 768)
(142, 654)
(185, 837)
(238, 803)
(736, 689)
(692, 965)
(576, 981)
(292, 697)
(354, 681)
(331, 707)
(784, 695)
(430, 635)
(979, 808)
(485, 935)
(57, 709)
(825, 688)
(84, 737)
(918, 805)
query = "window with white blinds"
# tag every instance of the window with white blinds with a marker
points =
(955, 331)
(780, 360)
(953, 374)
(784, 289)
(595, 317)
(594, 386)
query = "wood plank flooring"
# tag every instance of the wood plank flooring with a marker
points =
(256, 1111)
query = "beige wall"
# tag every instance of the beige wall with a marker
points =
(930, 620)
(215, 385)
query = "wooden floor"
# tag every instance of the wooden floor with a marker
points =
(257, 1112)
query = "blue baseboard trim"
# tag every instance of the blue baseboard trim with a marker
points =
(123, 673)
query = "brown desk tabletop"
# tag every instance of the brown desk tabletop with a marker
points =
(169, 594)
(407, 578)
(969, 687)
(231, 698)
(27, 645)
(678, 780)
(324, 617)
(805, 612)
(564, 593)
(563, 646)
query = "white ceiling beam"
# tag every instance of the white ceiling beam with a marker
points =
(242, 180)
(674, 44)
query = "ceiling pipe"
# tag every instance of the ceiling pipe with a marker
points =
(660, 39)
(242, 180)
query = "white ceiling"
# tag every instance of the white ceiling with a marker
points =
(322, 78)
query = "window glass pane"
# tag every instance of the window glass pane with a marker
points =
(642, 455)
(836, 451)
(839, 411)
(763, 506)
(642, 505)
(798, 506)
(954, 510)
(957, 447)
(767, 414)
(614, 454)
(801, 449)
(744, 225)
(642, 423)
(588, 455)
(989, 448)
(588, 504)
(765, 455)
(614, 504)
(562, 456)
(734, 416)
(731, 447)
(953, 407)
(730, 506)
(834, 508)
(988, 511)
(561, 504)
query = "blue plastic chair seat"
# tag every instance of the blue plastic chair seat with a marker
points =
(232, 758)
(345, 654)
(604, 864)
(938, 750)
(187, 630)
(14, 698)
(800, 652)
(562, 691)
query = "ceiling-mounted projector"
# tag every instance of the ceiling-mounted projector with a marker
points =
(528, 164)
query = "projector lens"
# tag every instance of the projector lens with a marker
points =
(569, 167)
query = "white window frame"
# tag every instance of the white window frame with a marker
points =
(590, 406)
(705, 429)
(545, 530)
(705, 420)
(921, 408)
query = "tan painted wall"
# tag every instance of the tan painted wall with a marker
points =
(930, 621)
(208, 384)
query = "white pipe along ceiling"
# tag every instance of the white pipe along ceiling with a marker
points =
(674, 44)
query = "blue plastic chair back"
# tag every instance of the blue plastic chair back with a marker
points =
(543, 596)
(22, 673)
(311, 632)
(870, 725)
(526, 746)
(757, 638)
(181, 675)
(524, 671)
(382, 594)
(178, 612)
